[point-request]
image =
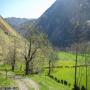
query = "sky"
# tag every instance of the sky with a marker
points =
(24, 8)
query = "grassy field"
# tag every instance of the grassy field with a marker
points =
(6, 82)
(5, 74)
(46, 83)
(65, 59)
(64, 73)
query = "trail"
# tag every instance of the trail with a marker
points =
(26, 83)
(21, 85)
(34, 85)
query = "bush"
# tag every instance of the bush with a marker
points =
(58, 81)
(62, 81)
(65, 82)
(55, 79)
(69, 84)
(83, 88)
(76, 87)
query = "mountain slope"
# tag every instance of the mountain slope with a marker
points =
(62, 21)
(8, 39)
(59, 21)
(6, 27)
(17, 23)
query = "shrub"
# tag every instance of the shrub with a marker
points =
(65, 82)
(62, 81)
(83, 88)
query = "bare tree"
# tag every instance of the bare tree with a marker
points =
(30, 52)
(34, 43)
(12, 53)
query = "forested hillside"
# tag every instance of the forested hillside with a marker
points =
(63, 18)
(10, 41)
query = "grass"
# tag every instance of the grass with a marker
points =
(46, 83)
(5, 81)
(5, 74)
(67, 59)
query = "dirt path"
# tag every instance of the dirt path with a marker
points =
(34, 85)
(26, 83)
(21, 85)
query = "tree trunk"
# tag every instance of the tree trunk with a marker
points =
(13, 65)
(31, 67)
(49, 69)
(14, 59)
(27, 68)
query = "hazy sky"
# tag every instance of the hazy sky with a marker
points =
(24, 8)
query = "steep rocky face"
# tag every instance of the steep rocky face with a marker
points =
(59, 21)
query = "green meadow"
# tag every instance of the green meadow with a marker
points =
(66, 72)
(66, 60)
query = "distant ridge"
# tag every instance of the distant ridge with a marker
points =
(17, 23)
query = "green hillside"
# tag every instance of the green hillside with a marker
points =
(6, 27)
(47, 83)
(67, 60)
(9, 38)
(65, 73)
(60, 20)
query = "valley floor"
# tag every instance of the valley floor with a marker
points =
(44, 82)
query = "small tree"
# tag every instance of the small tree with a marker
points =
(12, 52)
(51, 56)
(29, 55)
(35, 43)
